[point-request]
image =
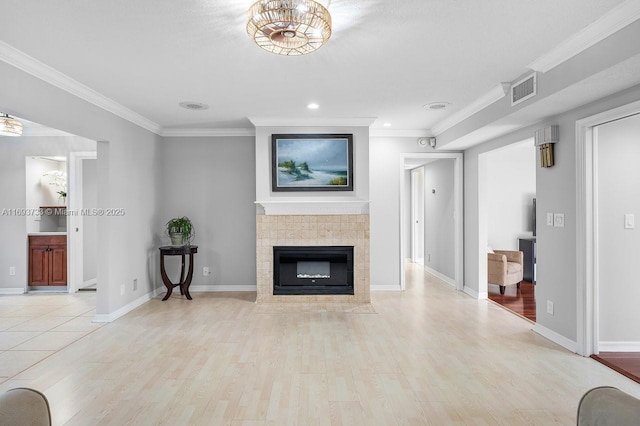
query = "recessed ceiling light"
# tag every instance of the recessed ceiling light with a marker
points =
(437, 106)
(387, 124)
(313, 106)
(194, 106)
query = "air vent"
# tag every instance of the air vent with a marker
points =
(524, 89)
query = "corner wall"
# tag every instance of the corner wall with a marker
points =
(128, 173)
(556, 193)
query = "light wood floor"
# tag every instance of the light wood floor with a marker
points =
(428, 355)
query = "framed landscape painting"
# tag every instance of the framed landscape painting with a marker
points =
(314, 162)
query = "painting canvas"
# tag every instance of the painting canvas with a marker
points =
(315, 162)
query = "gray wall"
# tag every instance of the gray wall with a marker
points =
(438, 217)
(556, 193)
(89, 223)
(213, 181)
(128, 176)
(13, 150)
(619, 248)
(511, 188)
(384, 159)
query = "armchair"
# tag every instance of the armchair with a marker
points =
(505, 267)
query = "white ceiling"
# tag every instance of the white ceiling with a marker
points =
(385, 59)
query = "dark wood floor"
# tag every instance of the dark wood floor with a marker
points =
(521, 301)
(625, 363)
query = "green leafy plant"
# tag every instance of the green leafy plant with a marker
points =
(180, 230)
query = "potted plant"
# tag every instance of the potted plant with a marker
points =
(180, 230)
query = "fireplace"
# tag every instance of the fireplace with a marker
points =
(312, 270)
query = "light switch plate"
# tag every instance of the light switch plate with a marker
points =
(558, 220)
(549, 219)
(629, 221)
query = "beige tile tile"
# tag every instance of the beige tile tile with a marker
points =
(79, 324)
(51, 341)
(13, 362)
(11, 339)
(8, 322)
(44, 323)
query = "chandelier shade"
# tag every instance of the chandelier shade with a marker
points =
(9, 126)
(289, 27)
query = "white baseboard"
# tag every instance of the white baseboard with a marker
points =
(11, 290)
(618, 346)
(385, 288)
(90, 282)
(440, 276)
(476, 295)
(220, 288)
(556, 338)
(126, 308)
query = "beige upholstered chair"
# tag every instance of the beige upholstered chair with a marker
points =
(24, 406)
(505, 268)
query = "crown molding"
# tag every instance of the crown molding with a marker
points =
(30, 65)
(399, 133)
(494, 95)
(311, 122)
(611, 22)
(233, 132)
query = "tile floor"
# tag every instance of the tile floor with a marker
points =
(35, 326)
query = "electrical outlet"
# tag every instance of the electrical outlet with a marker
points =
(206, 271)
(558, 220)
(122, 290)
(135, 284)
(549, 307)
(12, 270)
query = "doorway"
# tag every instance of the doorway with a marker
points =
(417, 216)
(507, 182)
(410, 161)
(588, 254)
(83, 223)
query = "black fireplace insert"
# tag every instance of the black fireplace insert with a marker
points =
(309, 270)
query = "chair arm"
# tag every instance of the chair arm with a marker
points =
(497, 257)
(512, 255)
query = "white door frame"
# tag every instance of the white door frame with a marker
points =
(587, 259)
(417, 238)
(458, 206)
(75, 239)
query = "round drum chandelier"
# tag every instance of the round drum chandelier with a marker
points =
(9, 126)
(289, 27)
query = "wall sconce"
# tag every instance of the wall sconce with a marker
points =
(545, 138)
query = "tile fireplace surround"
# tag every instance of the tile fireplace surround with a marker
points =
(312, 230)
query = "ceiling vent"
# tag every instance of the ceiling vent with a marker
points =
(524, 89)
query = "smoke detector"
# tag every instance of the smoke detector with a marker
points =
(194, 106)
(437, 106)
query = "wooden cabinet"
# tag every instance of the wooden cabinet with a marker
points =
(47, 260)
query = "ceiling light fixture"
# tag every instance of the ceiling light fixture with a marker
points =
(313, 106)
(289, 27)
(387, 124)
(9, 126)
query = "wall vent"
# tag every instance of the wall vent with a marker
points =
(524, 89)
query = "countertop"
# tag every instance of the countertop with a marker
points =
(45, 233)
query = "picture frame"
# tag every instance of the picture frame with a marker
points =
(311, 162)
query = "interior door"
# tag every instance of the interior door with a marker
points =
(417, 216)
